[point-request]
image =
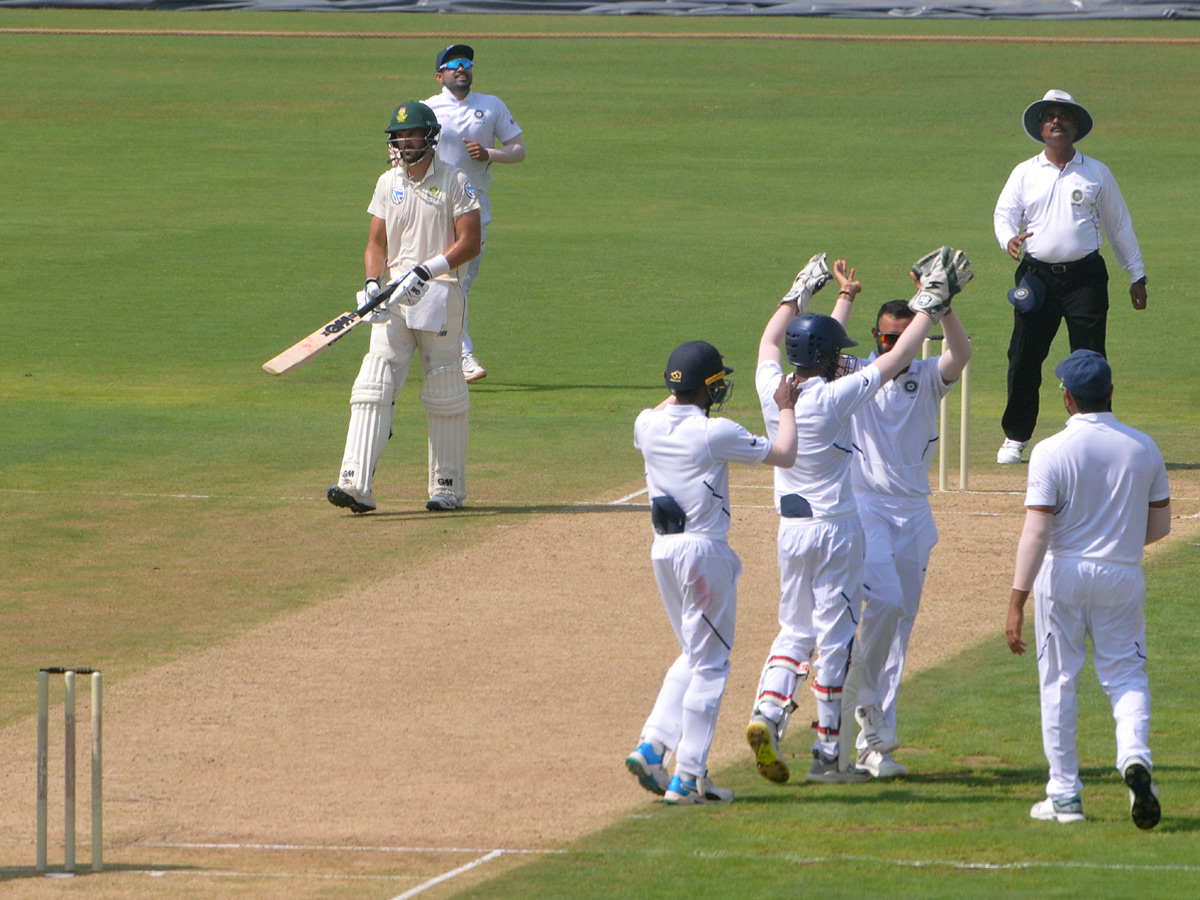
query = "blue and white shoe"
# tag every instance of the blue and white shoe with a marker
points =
(1064, 812)
(686, 790)
(648, 765)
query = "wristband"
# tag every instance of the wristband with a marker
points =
(437, 266)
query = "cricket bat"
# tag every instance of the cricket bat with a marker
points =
(323, 338)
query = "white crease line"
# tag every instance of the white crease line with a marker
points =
(333, 848)
(446, 876)
(629, 497)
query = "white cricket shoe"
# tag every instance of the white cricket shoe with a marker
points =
(874, 728)
(1143, 794)
(763, 737)
(1010, 451)
(1064, 812)
(814, 276)
(345, 496)
(443, 500)
(881, 765)
(472, 370)
(825, 770)
(687, 790)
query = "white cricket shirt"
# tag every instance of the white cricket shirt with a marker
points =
(481, 118)
(895, 435)
(687, 456)
(1066, 210)
(821, 474)
(420, 215)
(1100, 477)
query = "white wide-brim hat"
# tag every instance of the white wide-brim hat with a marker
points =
(1033, 114)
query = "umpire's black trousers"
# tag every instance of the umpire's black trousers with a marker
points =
(1075, 291)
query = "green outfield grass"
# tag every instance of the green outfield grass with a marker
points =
(178, 209)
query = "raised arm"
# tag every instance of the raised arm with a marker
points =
(849, 288)
(956, 349)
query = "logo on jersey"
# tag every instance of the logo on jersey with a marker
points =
(398, 194)
(434, 192)
(479, 113)
(910, 385)
(470, 191)
(1076, 195)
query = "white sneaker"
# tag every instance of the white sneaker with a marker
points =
(1143, 794)
(1010, 451)
(647, 763)
(443, 500)
(763, 737)
(881, 765)
(825, 770)
(874, 728)
(1064, 812)
(472, 370)
(686, 790)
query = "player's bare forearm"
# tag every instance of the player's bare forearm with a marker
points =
(375, 256)
(848, 289)
(1015, 622)
(956, 351)
(510, 152)
(772, 337)
(466, 244)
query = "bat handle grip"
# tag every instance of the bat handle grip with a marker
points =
(378, 300)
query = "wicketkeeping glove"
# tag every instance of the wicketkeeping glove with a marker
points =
(809, 280)
(943, 274)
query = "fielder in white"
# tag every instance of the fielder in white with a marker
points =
(687, 458)
(1097, 494)
(472, 125)
(424, 230)
(820, 540)
(895, 440)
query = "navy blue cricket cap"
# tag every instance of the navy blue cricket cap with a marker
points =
(454, 51)
(1086, 374)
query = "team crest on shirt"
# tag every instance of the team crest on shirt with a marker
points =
(910, 385)
(398, 194)
(470, 191)
(434, 192)
(1076, 196)
(479, 113)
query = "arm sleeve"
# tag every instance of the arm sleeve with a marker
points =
(1035, 538)
(730, 442)
(464, 195)
(1010, 211)
(506, 126)
(1118, 226)
(378, 205)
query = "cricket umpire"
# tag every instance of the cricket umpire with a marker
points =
(1054, 207)
(424, 230)
(1097, 495)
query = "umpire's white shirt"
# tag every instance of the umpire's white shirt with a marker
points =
(821, 474)
(896, 434)
(1066, 209)
(1100, 477)
(477, 117)
(687, 456)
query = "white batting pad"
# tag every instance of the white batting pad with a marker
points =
(371, 412)
(447, 400)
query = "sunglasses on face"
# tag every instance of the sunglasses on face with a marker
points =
(457, 64)
(887, 339)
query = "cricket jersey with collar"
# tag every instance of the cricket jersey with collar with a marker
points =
(1066, 210)
(895, 435)
(687, 457)
(477, 117)
(821, 473)
(420, 215)
(1094, 473)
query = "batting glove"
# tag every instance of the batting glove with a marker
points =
(412, 288)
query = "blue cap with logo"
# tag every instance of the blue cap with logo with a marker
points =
(1086, 374)
(454, 51)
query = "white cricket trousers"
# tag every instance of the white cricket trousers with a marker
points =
(820, 578)
(1076, 599)
(900, 537)
(697, 578)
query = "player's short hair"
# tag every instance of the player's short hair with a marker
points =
(897, 309)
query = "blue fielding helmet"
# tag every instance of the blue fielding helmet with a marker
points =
(812, 337)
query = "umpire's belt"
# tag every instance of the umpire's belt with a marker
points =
(1062, 268)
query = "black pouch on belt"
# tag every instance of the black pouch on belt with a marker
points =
(667, 515)
(793, 506)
